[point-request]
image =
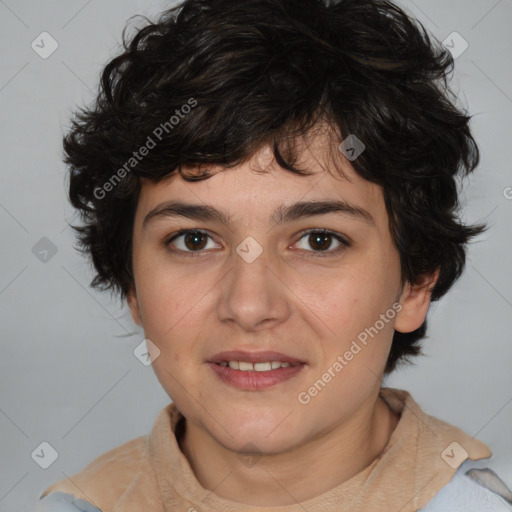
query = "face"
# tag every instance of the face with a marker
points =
(308, 284)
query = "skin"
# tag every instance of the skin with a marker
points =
(290, 300)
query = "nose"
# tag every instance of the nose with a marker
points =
(254, 295)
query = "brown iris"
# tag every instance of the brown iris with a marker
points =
(193, 237)
(315, 240)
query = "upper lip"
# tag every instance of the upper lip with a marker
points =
(253, 357)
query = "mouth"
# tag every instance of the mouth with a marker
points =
(254, 371)
(254, 361)
(247, 366)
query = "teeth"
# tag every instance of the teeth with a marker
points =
(258, 367)
(262, 367)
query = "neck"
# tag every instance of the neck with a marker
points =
(278, 479)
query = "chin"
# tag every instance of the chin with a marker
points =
(259, 444)
(268, 434)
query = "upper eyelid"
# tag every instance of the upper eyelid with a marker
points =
(182, 232)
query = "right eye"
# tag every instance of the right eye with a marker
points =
(189, 240)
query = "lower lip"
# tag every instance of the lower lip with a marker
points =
(253, 380)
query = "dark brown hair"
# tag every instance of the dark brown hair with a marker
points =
(212, 81)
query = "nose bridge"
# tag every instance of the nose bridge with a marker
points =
(252, 295)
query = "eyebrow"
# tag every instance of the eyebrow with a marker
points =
(282, 214)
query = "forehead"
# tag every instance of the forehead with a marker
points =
(261, 185)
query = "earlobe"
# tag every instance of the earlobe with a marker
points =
(415, 301)
(131, 299)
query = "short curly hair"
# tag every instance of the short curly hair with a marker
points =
(212, 81)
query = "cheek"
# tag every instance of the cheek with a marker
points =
(174, 308)
(173, 320)
(346, 299)
(350, 307)
(172, 301)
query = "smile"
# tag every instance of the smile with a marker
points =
(255, 376)
(246, 366)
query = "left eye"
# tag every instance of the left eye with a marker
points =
(321, 240)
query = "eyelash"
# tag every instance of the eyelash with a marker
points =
(322, 254)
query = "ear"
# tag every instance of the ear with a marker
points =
(133, 304)
(415, 301)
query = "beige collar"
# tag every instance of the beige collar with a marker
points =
(151, 473)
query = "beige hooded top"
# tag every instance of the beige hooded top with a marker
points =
(151, 473)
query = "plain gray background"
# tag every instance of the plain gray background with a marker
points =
(70, 378)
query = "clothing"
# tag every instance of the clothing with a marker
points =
(419, 469)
